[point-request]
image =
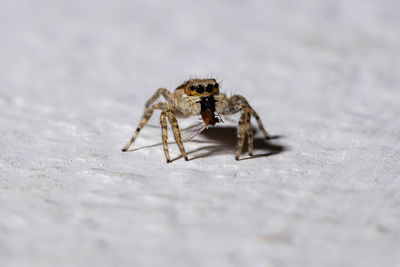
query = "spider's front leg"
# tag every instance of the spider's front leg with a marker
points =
(177, 133)
(161, 91)
(147, 115)
(237, 101)
(164, 134)
(235, 104)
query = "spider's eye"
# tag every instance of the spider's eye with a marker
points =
(200, 89)
(191, 87)
(216, 85)
(210, 88)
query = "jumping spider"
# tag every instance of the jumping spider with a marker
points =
(199, 97)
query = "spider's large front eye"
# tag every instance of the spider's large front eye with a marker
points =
(200, 89)
(191, 87)
(210, 88)
(216, 85)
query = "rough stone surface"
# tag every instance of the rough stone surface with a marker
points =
(323, 75)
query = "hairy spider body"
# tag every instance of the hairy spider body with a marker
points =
(199, 97)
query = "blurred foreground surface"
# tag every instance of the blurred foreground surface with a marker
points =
(74, 77)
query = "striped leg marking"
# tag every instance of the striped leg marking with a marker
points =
(260, 125)
(164, 135)
(177, 133)
(249, 131)
(241, 134)
(162, 91)
(147, 115)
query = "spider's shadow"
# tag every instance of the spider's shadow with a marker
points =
(224, 141)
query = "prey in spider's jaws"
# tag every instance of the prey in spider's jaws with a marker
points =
(199, 97)
(208, 111)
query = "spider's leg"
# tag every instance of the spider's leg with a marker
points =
(260, 125)
(231, 105)
(249, 131)
(177, 133)
(161, 91)
(147, 115)
(164, 135)
(235, 104)
(241, 133)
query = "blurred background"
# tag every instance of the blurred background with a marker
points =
(76, 47)
(74, 77)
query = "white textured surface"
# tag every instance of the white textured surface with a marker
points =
(74, 76)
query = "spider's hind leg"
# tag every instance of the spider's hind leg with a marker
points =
(260, 125)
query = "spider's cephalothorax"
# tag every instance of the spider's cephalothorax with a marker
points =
(204, 89)
(199, 97)
(200, 87)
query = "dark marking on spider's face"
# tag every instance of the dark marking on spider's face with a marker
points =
(200, 87)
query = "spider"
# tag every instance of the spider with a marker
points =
(199, 97)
